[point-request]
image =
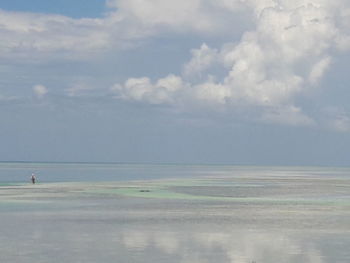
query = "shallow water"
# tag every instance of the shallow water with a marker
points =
(205, 214)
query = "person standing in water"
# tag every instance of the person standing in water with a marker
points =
(33, 179)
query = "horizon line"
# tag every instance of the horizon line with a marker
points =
(174, 163)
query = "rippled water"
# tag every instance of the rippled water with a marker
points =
(174, 214)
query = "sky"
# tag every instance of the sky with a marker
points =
(243, 82)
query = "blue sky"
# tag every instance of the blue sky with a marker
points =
(252, 82)
(76, 8)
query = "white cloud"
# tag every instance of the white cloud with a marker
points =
(203, 16)
(289, 115)
(128, 21)
(78, 89)
(289, 51)
(266, 64)
(25, 33)
(40, 91)
(211, 93)
(202, 59)
(142, 89)
(319, 69)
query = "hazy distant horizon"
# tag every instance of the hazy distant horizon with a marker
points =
(174, 164)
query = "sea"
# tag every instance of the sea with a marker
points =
(109, 212)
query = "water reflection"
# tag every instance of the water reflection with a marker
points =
(97, 222)
(167, 242)
(235, 246)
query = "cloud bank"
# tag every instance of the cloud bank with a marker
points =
(286, 55)
(289, 49)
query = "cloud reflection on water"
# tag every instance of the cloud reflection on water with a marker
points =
(236, 246)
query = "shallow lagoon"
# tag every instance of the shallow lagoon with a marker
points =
(193, 214)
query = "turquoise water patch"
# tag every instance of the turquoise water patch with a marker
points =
(22, 205)
(166, 193)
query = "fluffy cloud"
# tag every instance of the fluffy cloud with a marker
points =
(202, 59)
(25, 33)
(129, 20)
(203, 16)
(126, 22)
(318, 70)
(289, 52)
(141, 89)
(287, 114)
(40, 91)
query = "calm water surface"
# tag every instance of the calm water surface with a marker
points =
(169, 213)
